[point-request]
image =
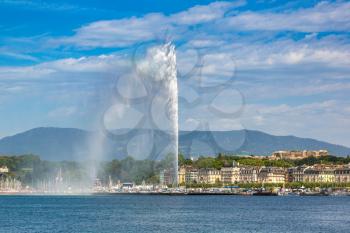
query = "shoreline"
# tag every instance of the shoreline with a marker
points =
(319, 194)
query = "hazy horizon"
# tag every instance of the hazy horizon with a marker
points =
(200, 130)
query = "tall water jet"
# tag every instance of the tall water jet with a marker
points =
(146, 108)
(159, 75)
(171, 79)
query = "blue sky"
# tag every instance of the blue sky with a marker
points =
(59, 61)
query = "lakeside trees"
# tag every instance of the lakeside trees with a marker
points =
(30, 168)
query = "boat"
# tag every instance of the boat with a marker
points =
(264, 193)
(314, 194)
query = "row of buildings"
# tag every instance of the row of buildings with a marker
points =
(291, 154)
(231, 175)
(320, 173)
(252, 174)
(294, 155)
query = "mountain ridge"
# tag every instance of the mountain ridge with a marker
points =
(52, 143)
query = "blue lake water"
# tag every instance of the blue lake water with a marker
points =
(131, 213)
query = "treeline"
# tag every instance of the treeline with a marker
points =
(30, 169)
(222, 160)
(131, 170)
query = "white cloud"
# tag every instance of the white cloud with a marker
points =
(154, 26)
(19, 56)
(94, 64)
(203, 14)
(328, 52)
(101, 63)
(280, 68)
(205, 42)
(118, 33)
(63, 112)
(327, 120)
(21, 72)
(14, 89)
(298, 89)
(323, 17)
(214, 18)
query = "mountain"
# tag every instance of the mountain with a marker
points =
(76, 144)
(49, 143)
(253, 142)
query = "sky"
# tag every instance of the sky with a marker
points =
(287, 63)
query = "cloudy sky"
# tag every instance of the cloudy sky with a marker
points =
(289, 62)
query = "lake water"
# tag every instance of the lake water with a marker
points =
(131, 213)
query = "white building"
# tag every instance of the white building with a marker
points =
(231, 175)
(4, 169)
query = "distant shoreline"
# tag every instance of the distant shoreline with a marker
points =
(320, 194)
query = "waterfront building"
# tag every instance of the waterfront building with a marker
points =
(209, 175)
(272, 175)
(230, 175)
(311, 175)
(4, 169)
(166, 177)
(296, 174)
(182, 175)
(191, 176)
(248, 174)
(318, 173)
(298, 154)
(342, 174)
